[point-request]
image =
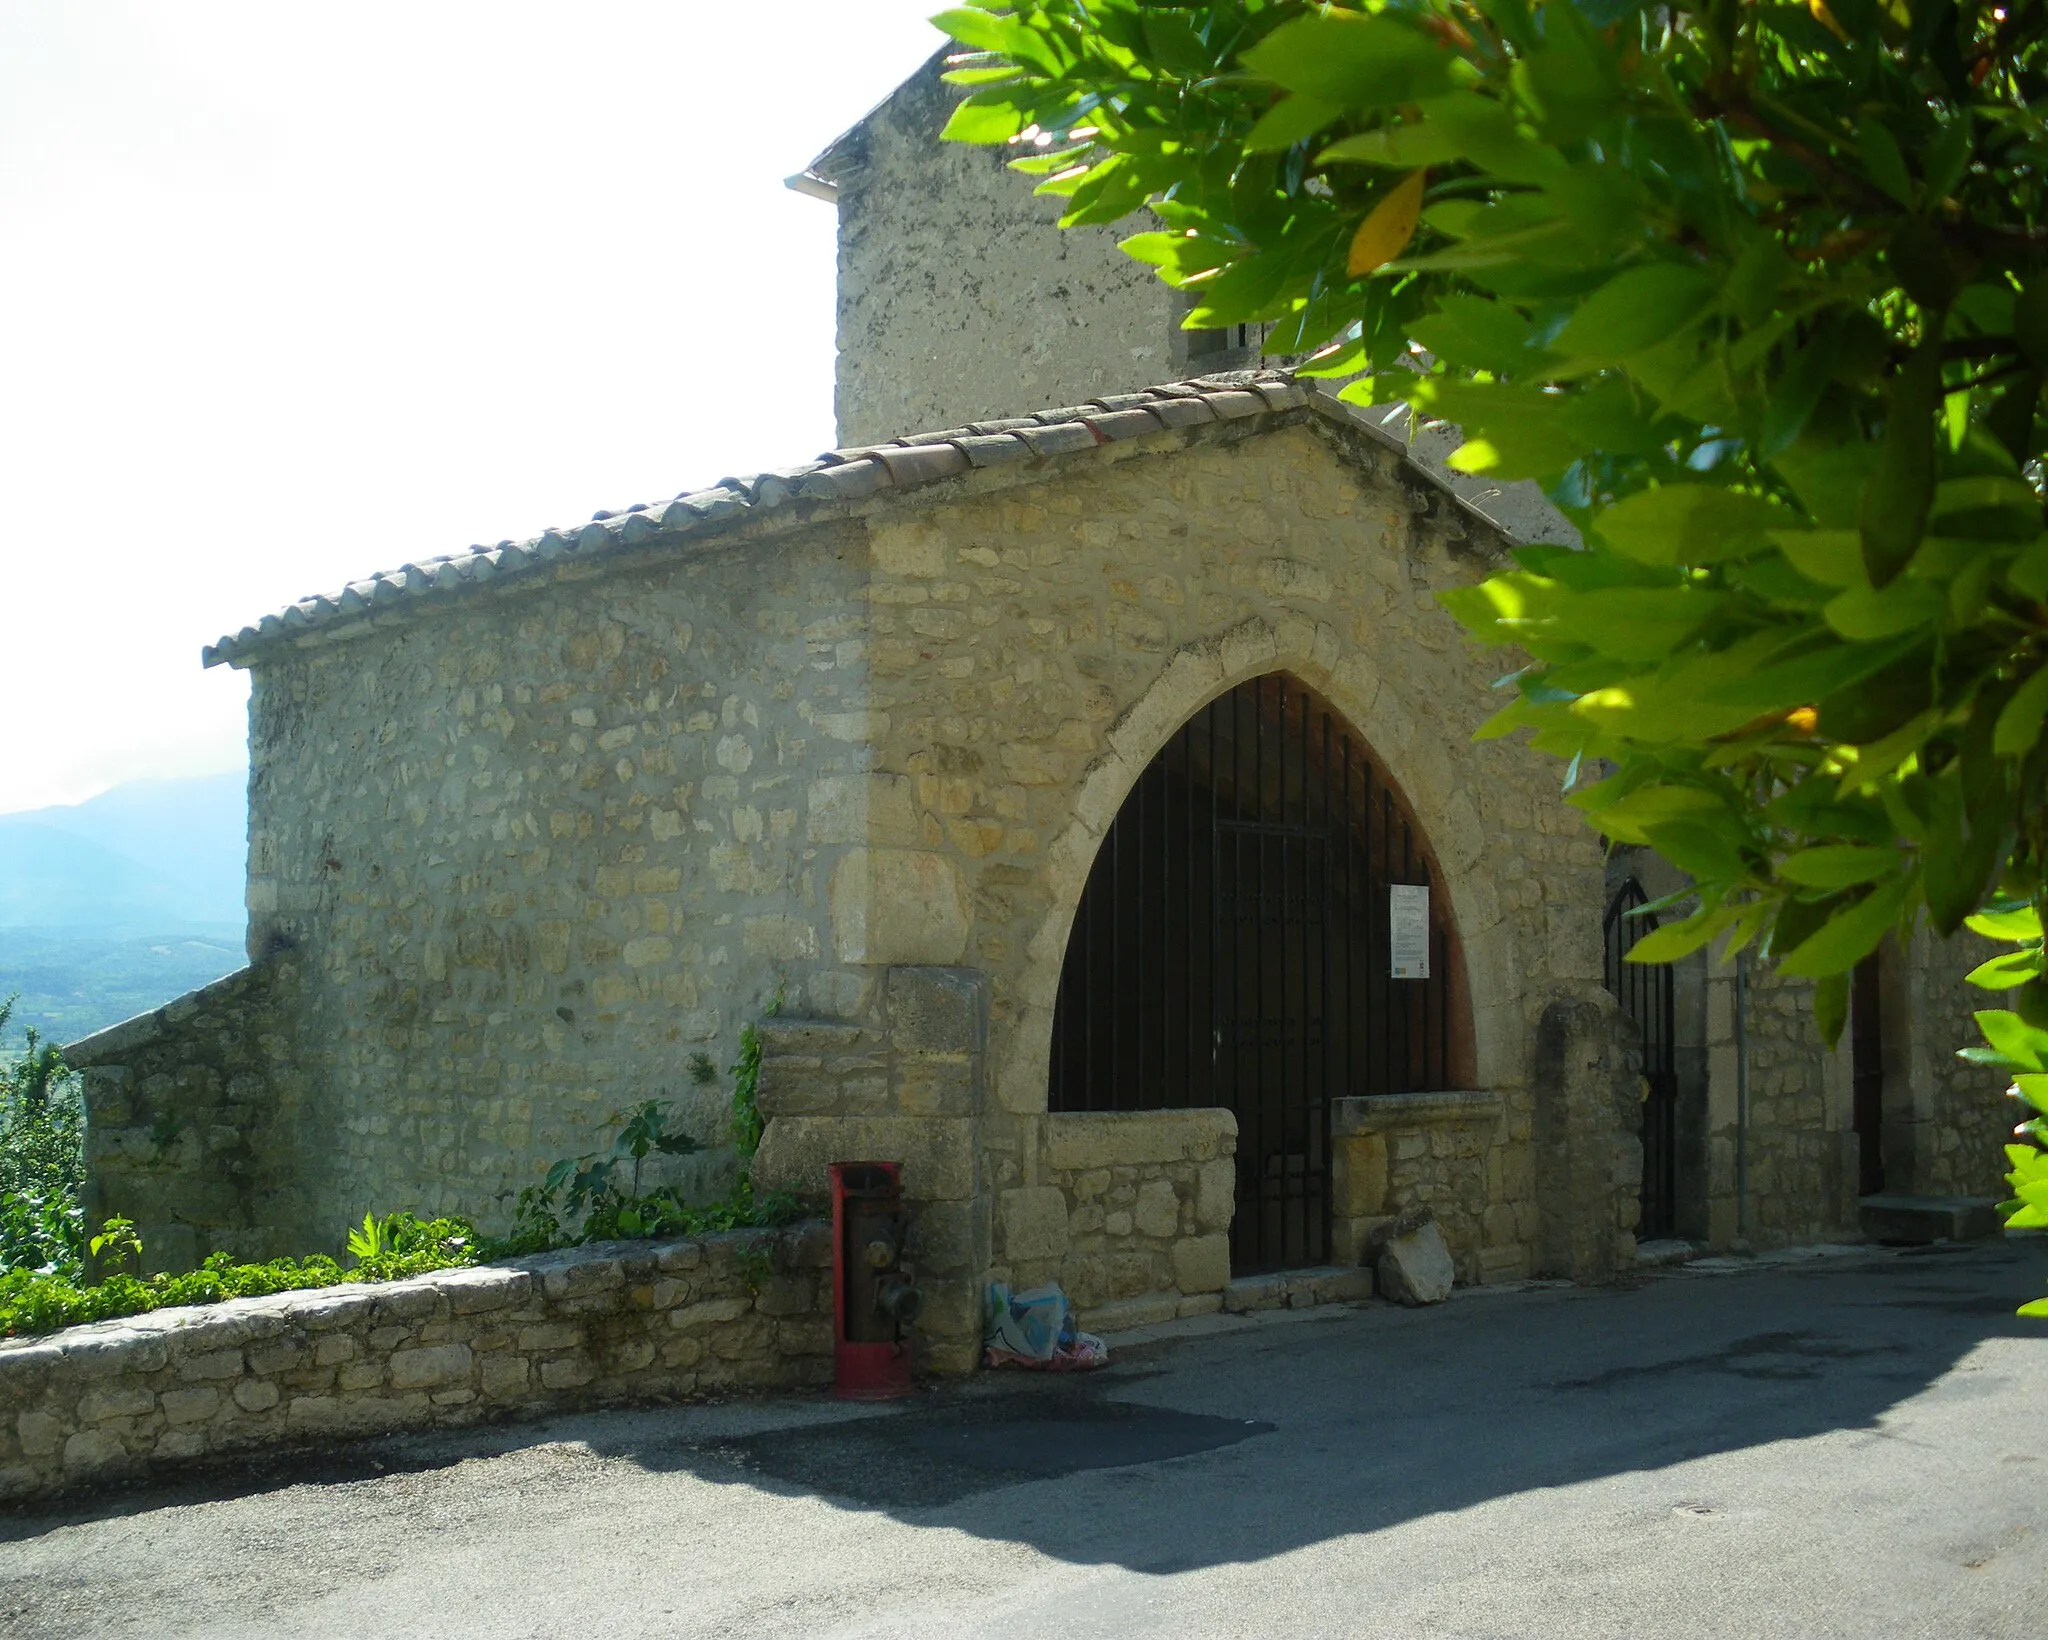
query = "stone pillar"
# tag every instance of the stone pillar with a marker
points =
(1589, 1152)
(903, 1084)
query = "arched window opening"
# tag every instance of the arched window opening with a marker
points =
(1237, 945)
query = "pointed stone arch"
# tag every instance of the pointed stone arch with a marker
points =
(1423, 768)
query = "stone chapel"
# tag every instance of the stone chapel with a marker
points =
(1079, 795)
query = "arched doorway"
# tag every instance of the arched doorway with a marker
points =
(1257, 932)
(1646, 995)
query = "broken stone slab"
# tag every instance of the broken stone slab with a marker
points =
(1414, 1266)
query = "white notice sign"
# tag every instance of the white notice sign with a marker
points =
(1408, 930)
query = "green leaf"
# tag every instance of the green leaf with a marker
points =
(1291, 120)
(2018, 924)
(1900, 487)
(1866, 614)
(1403, 147)
(2013, 1040)
(1351, 60)
(2019, 724)
(986, 117)
(1831, 1006)
(1686, 524)
(1670, 941)
(2002, 973)
(1839, 865)
(1834, 558)
(1636, 310)
(1847, 937)
(1008, 36)
(1882, 161)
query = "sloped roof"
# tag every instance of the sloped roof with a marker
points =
(840, 479)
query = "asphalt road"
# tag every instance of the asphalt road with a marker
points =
(1848, 1446)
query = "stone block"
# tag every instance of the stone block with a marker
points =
(432, 1367)
(896, 905)
(935, 1085)
(501, 1375)
(566, 1372)
(710, 1312)
(255, 1395)
(1415, 1267)
(1201, 1264)
(1077, 1141)
(1359, 1185)
(96, 1406)
(934, 1010)
(1157, 1213)
(93, 1451)
(1123, 1314)
(214, 1364)
(785, 1295)
(1034, 1221)
(38, 1433)
(476, 1292)
(1216, 1194)
(190, 1406)
(550, 1335)
(937, 1152)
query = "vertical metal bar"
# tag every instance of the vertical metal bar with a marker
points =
(1408, 1006)
(1117, 959)
(1259, 938)
(1383, 961)
(1350, 905)
(1138, 1090)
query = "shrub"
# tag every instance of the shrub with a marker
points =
(42, 1161)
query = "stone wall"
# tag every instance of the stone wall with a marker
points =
(532, 851)
(1946, 1121)
(182, 1131)
(1131, 1217)
(534, 857)
(631, 1321)
(959, 296)
(1467, 1157)
(903, 1085)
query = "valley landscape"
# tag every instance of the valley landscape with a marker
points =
(114, 906)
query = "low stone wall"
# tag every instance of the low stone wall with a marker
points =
(623, 1321)
(1131, 1215)
(182, 1130)
(1448, 1152)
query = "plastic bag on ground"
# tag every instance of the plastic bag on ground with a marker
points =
(1035, 1329)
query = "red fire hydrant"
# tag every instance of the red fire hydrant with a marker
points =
(873, 1298)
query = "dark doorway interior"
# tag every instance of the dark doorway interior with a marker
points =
(1866, 1069)
(1645, 993)
(1231, 948)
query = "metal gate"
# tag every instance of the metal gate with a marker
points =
(1644, 992)
(1232, 947)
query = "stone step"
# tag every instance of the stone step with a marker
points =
(1667, 1251)
(1298, 1289)
(1918, 1220)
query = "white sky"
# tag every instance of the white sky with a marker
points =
(295, 292)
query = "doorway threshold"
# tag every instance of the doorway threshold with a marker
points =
(1298, 1289)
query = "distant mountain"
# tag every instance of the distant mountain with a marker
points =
(68, 984)
(148, 858)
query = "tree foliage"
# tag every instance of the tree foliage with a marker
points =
(1758, 294)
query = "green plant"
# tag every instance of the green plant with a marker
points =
(117, 1244)
(42, 1160)
(403, 1244)
(584, 1198)
(386, 1249)
(1758, 294)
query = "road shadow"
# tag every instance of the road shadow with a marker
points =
(1307, 1428)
